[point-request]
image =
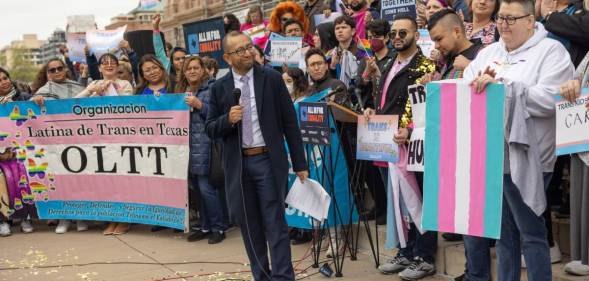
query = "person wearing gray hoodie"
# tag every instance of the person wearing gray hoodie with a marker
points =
(532, 65)
(53, 82)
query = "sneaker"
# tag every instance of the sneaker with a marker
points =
(5, 229)
(26, 226)
(81, 225)
(398, 264)
(62, 226)
(216, 237)
(555, 254)
(417, 270)
(577, 268)
(198, 235)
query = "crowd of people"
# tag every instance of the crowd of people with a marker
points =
(537, 49)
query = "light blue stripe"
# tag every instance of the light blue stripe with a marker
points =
(165, 102)
(116, 211)
(432, 157)
(582, 147)
(494, 161)
(558, 97)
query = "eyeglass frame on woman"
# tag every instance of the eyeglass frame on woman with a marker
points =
(393, 33)
(55, 70)
(499, 19)
(241, 51)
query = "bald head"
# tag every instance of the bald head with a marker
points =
(446, 19)
(230, 39)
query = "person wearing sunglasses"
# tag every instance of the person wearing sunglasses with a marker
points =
(54, 82)
(110, 84)
(417, 259)
(532, 67)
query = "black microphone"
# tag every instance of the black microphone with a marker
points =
(358, 94)
(237, 95)
(335, 91)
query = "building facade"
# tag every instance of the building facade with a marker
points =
(137, 19)
(50, 49)
(29, 48)
(179, 12)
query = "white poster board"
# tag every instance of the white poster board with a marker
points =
(104, 41)
(415, 149)
(572, 124)
(75, 44)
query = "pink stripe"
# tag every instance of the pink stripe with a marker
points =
(448, 156)
(181, 120)
(127, 189)
(478, 154)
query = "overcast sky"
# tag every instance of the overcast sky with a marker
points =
(42, 17)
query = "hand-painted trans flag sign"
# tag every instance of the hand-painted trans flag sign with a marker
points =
(117, 159)
(463, 180)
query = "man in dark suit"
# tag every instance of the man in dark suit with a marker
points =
(253, 131)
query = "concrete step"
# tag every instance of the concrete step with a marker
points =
(450, 258)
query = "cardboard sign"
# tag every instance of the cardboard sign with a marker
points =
(104, 41)
(572, 124)
(415, 149)
(375, 138)
(119, 159)
(75, 44)
(286, 50)
(320, 18)
(425, 43)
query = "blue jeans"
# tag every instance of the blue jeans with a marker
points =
(211, 207)
(477, 252)
(418, 245)
(478, 258)
(522, 229)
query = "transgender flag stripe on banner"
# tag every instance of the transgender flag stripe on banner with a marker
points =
(463, 179)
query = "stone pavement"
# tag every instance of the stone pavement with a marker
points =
(142, 255)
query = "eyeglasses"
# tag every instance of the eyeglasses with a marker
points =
(316, 64)
(241, 51)
(283, 20)
(55, 69)
(509, 19)
(109, 63)
(294, 30)
(402, 33)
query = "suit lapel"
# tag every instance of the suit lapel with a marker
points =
(258, 88)
(228, 86)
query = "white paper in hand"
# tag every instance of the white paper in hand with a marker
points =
(309, 197)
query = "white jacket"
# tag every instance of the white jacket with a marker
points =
(542, 64)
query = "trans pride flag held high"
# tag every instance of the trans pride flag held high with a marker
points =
(463, 180)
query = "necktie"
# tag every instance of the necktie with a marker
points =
(246, 123)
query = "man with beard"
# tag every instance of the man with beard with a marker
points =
(447, 31)
(253, 129)
(416, 260)
(362, 14)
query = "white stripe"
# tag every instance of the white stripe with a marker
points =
(397, 206)
(174, 165)
(463, 151)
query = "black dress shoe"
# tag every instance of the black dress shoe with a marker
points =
(197, 235)
(381, 220)
(157, 228)
(216, 237)
(452, 237)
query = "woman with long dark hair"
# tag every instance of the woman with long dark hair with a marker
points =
(153, 78)
(54, 81)
(194, 80)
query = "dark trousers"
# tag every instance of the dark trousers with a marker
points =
(418, 245)
(264, 225)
